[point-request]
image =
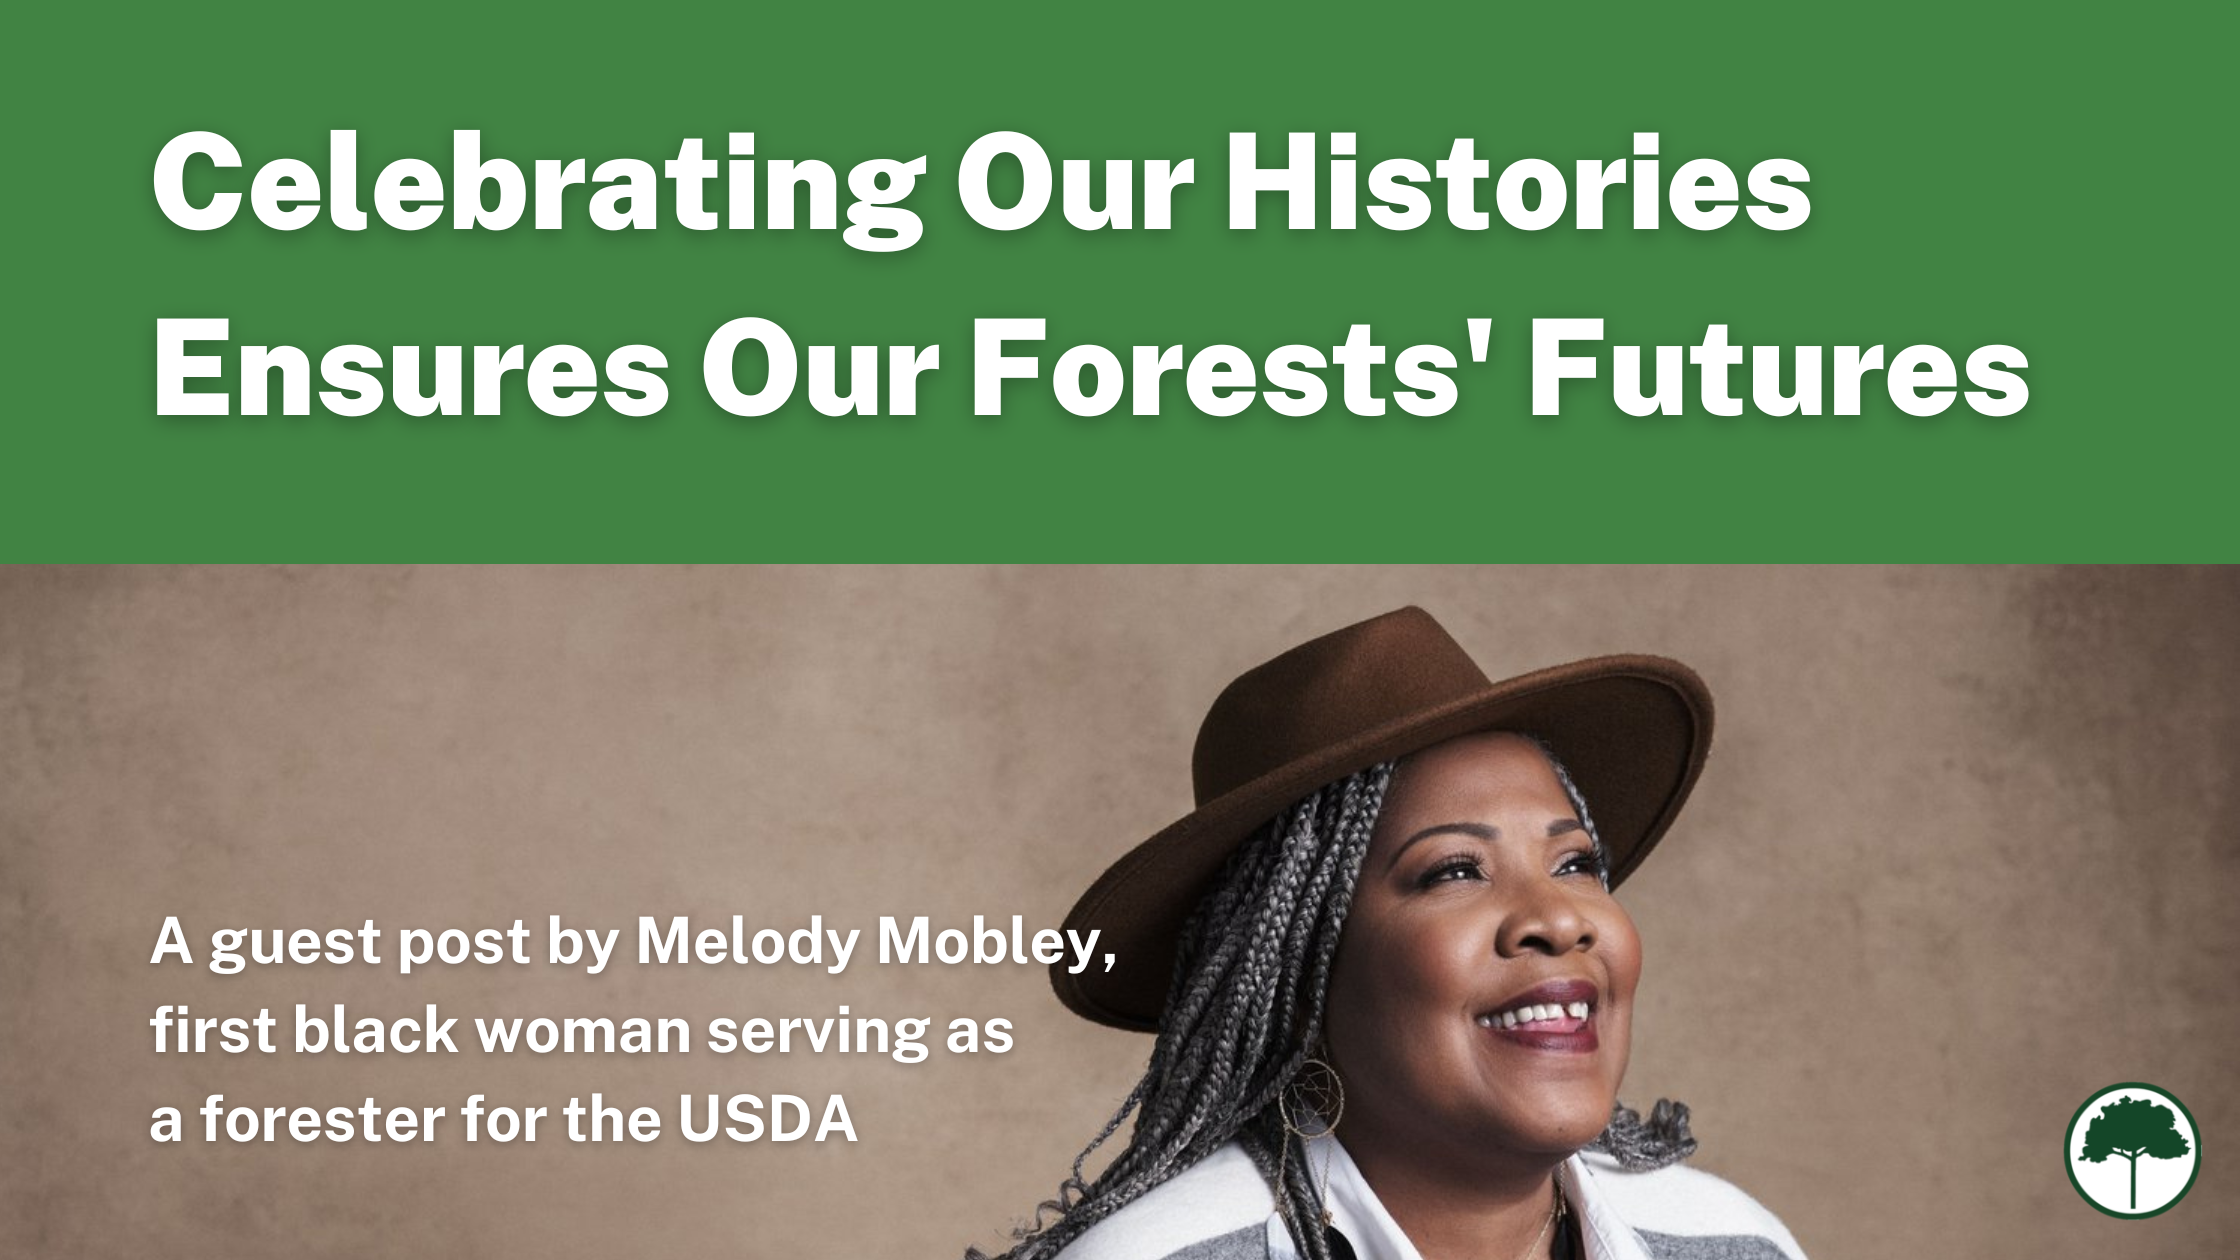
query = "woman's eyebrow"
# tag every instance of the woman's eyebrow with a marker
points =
(1560, 827)
(1479, 830)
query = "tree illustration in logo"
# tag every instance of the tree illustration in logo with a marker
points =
(2132, 1127)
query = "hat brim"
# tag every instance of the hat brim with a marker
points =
(1633, 732)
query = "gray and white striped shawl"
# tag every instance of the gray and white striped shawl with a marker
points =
(1221, 1209)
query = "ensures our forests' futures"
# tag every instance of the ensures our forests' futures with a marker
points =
(2132, 1127)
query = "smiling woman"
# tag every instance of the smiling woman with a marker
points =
(1392, 990)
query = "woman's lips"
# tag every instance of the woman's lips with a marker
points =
(1558, 1016)
(1565, 1034)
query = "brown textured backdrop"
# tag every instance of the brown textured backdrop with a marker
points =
(1965, 852)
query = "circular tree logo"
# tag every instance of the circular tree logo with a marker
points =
(2133, 1150)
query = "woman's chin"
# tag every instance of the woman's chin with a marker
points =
(1552, 1127)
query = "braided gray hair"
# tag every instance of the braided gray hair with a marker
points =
(1244, 1010)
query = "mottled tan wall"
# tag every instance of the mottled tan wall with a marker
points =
(1966, 851)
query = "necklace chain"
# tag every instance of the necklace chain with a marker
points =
(1555, 1210)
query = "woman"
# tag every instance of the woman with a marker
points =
(1392, 1018)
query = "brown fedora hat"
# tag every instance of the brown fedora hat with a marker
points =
(1632, 730)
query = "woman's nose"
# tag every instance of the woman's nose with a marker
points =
(1549, 921)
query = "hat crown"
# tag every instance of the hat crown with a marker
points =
(1326, 691)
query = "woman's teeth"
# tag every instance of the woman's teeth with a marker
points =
(1543, 1013)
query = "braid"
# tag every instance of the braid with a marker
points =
(1244, 1009)
(1639, 1146)
(1578, 806)
(1246, 1003)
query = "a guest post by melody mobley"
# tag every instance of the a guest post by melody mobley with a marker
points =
(316, 1026)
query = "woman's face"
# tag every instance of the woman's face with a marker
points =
(1481, 998)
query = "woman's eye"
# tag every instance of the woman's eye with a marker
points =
(1453, 869)
(1584, 862)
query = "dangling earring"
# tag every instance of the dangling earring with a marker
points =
(1315, 1100)
(1311, 1107)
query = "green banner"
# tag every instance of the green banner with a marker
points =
(1949, 268)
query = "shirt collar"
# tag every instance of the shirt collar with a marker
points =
(1356, 1212)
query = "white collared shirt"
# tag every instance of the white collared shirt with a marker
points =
(1357, 1213)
